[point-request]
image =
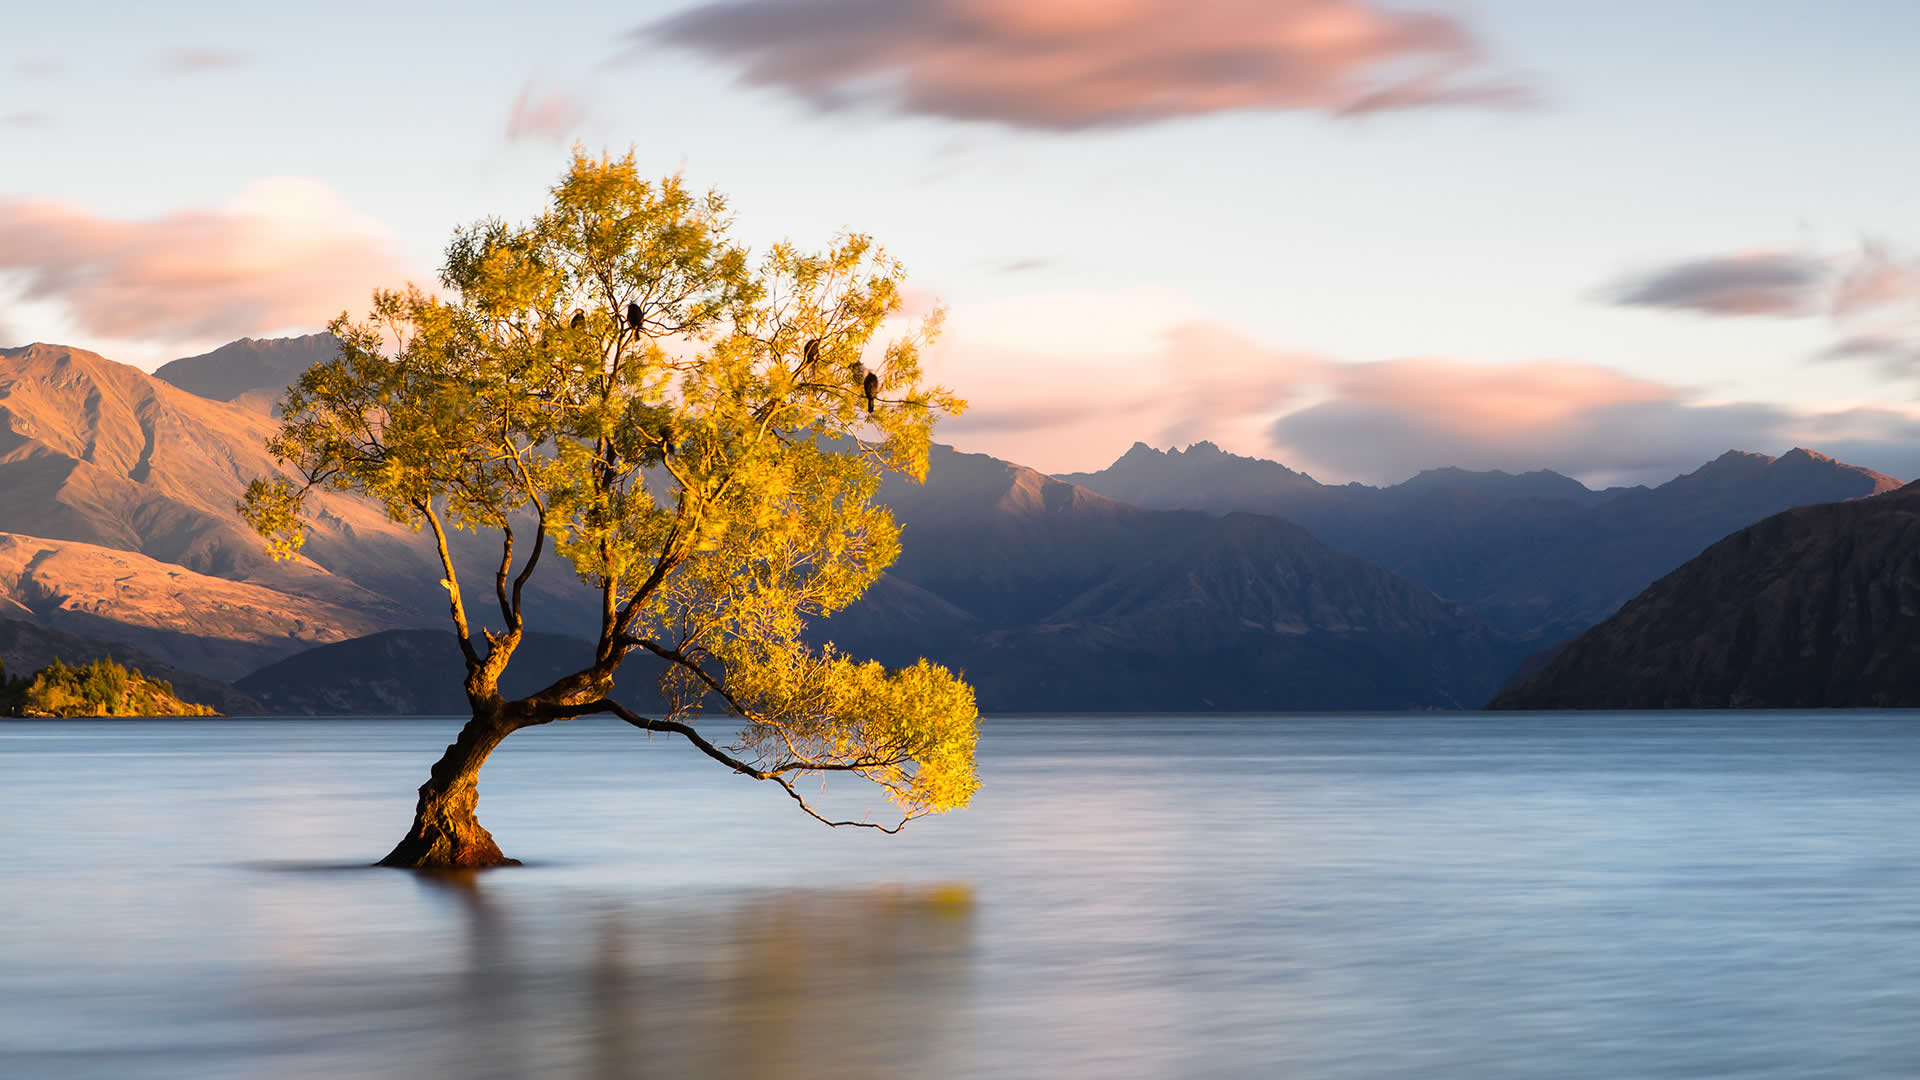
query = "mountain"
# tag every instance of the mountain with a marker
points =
(104, 454)
(1817, 607)
(1537, 555)
(1052, 597)
(98, 457)
(1202, 477)
(251, 372)
(119, 488)
(27, 647)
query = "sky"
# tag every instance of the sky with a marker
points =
(1361, 237)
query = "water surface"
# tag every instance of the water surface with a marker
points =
(1472, 896)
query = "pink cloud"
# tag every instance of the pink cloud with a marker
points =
(1076, 399)
(1079, 64)
(1382, 422)
(288, 255)
(1489, 396)
(1877, 279)
(1065, 411)
(552, 116)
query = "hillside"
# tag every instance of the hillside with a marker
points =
(1818, 607)
(186, 620)
(27, 647)
(101, 688)
(1536, 555)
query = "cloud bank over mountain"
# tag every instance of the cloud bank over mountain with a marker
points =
(1376, 421)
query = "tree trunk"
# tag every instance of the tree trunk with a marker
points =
(445, 834)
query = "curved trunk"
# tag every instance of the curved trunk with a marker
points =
(445, 834)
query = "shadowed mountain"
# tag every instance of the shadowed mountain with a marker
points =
(420, 672)
(1817, 607)
(251, 372)
(26, 647)
(1049, 597)
(1537, 555)
(1052, 597)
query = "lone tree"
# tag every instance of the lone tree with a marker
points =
(687, 426)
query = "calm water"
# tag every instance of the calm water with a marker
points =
(1681, 895)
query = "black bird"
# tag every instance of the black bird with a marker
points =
(872, 386)
(579, 320)
(811, 353)
(635, 315)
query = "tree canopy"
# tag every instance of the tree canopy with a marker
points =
(698, 431)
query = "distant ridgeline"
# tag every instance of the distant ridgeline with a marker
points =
(102, 688)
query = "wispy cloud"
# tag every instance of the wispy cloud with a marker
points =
(287, 255)
(1876, 279)
(552, 116)
(1756, 284)
(1894, 355)
(197, 61)
(1080, 64)
(1872, 298)
(26, 119)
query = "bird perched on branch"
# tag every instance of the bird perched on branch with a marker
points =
(635, 315)
(811, 354)
(579, 322)
(871, 384)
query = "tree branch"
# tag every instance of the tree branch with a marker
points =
(500, 575)
(734, 763)
(452, 583)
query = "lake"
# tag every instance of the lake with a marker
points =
(1471, 896)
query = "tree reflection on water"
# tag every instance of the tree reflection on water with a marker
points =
(843, 983)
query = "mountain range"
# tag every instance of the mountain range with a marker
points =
(1536, 555)
(1193, 580)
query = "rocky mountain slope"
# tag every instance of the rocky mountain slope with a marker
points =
(104, 454)
(1818, 607)
(98, 457)
(1536, 555)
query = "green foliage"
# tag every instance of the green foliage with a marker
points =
(687, 426)
(101, 688)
